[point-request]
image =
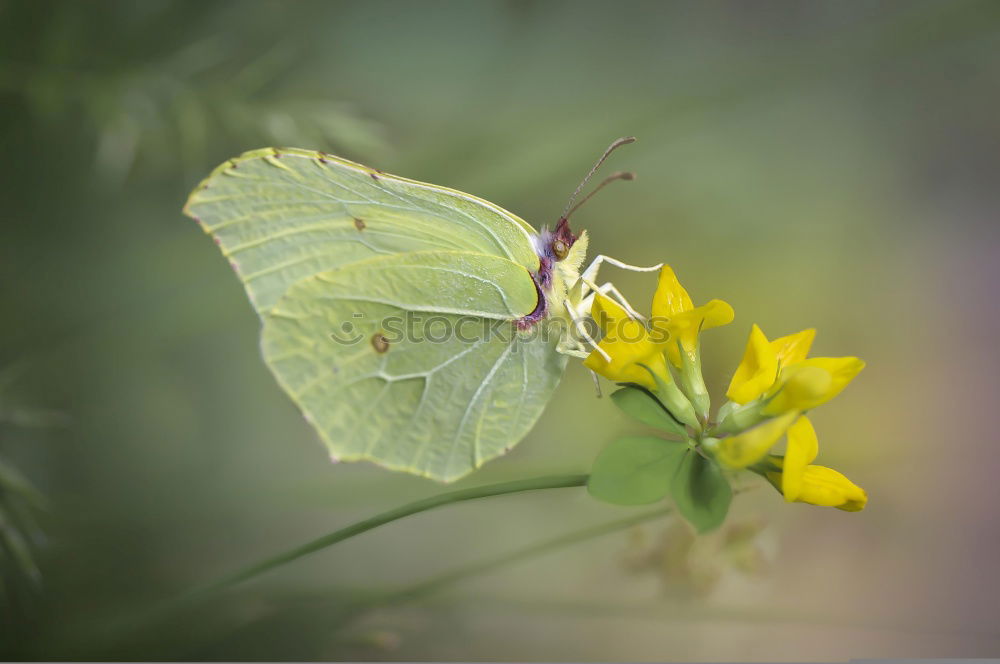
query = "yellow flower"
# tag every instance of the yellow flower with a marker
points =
(812, 382)
(749, 447)
(628, 343)
(779, 371)
(758, 370)
(803, 446)
(800, 481)
(675, 314)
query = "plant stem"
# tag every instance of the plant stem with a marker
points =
(422, 505)
(436, 583)
(131, 630)
(338, 617)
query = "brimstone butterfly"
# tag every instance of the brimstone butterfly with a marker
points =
(412, 324)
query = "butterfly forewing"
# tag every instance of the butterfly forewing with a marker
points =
(283, 215)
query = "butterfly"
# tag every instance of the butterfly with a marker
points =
(415, 326)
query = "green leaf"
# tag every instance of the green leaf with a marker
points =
(701, 492)
(635, 470)
(643, 406)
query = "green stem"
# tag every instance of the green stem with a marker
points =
(339, 617)
(422, 505)
(132, 629)
(436, 583)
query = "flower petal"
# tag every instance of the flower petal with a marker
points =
(607, 313)
(749, 447)
(670, 298)
(842, 371)
(798, 388)
(828, 488)
(686, 325)
(619, 371)
(716, 313)
(802, 449)
(793, 347)
(756, 372)
(629, 345)
(629, 348)
(812, 382)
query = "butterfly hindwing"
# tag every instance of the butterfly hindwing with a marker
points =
(414, 360)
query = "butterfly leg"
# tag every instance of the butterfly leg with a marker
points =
(585, 304)
(590, 273)
(608, 289)
(597, 383)
(563, 348)
(572, 347)
(581, 330)
(585, 286)
(580, 351)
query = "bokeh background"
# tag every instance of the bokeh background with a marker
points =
(815, 164)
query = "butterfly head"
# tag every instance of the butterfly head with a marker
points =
(562, 240)
(559, 251)
(560, 255)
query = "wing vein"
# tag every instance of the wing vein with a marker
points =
(475, 397)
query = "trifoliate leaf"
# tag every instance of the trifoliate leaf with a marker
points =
(701, 491)
(643, 406)
(636, 470)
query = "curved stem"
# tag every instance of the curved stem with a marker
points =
(445, 579)
(338, 616)
(422, 505)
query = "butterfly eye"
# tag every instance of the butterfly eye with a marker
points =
(560, 249)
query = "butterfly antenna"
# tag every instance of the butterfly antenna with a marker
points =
(611, 148)
(620, 175)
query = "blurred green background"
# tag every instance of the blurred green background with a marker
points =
(815, 164)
